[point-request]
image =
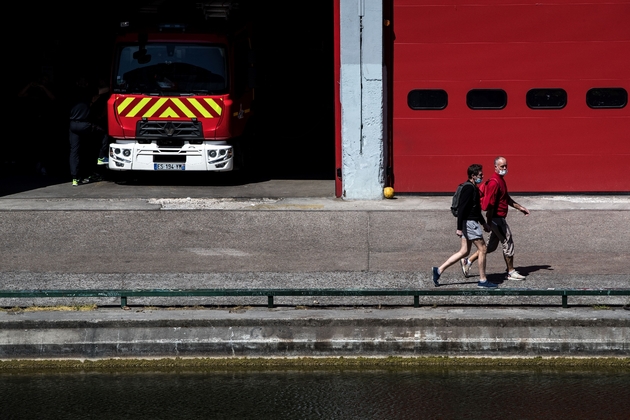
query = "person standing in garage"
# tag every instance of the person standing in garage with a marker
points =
(38, 107)
(83, 133)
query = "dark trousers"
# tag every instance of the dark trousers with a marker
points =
(102, 141)
(80, 145)
(86, 145)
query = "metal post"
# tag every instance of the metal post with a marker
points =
(416, 301)
(270, 301)
(123, 301)
(565, 303)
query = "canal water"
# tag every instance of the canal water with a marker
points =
(428, 393)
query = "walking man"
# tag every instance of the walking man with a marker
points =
(497, 200)
(469, 222)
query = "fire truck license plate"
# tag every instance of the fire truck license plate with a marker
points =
(169, 167)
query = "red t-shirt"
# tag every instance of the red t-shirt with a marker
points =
(496, 195)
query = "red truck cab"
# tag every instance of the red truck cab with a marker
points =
(181, 99)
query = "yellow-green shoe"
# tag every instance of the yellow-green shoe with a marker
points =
(75, 182)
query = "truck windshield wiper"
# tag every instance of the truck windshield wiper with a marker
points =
(161, 93)
(195, 92)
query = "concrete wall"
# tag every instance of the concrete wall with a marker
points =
(362, 98)
(292, 332)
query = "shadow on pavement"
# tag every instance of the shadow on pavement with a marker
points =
(533, 268)
(16, 179)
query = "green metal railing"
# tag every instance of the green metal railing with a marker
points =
(271, 293)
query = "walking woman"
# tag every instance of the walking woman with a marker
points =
(469, 224)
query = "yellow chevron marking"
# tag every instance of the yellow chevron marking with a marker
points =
(200, 108)
(138, 107)
(214, 105)
(183, 108)
(124, 104)
(154, 108)
(169, 113)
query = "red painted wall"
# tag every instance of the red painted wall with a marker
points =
(514, 46)
(337, 60)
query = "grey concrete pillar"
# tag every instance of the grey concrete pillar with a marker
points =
(362, 99)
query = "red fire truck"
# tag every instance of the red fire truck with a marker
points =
(181, 98)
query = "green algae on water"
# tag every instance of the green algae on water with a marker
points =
(312, 363)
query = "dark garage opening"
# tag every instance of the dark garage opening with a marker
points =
(294, 60)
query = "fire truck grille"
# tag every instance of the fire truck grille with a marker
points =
(170, 142)
(169, 130)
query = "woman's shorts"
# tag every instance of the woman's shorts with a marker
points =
(473, 230)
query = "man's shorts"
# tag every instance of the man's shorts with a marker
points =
(501, 233)
(472, 230)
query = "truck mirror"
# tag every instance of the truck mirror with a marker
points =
(144, 59)
(141, 56)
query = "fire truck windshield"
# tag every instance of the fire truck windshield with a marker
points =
(170, 68)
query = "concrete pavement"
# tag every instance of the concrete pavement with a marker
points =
(94, 236)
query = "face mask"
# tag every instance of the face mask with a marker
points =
(503, 172)
(478, 180)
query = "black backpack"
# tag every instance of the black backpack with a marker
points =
(455, 202)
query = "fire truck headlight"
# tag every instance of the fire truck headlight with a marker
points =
(221, 154)
(118, 154)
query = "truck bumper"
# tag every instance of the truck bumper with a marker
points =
(131, 156)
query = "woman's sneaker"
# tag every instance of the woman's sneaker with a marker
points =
(487, 285)
(436, 276)
(465, 267)
(515, 275)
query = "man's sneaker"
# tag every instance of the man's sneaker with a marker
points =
(436, 277)
(93, 178)
(515, 275)
(487, 285)
(103, 161)
(82, 181)
(465, 267)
